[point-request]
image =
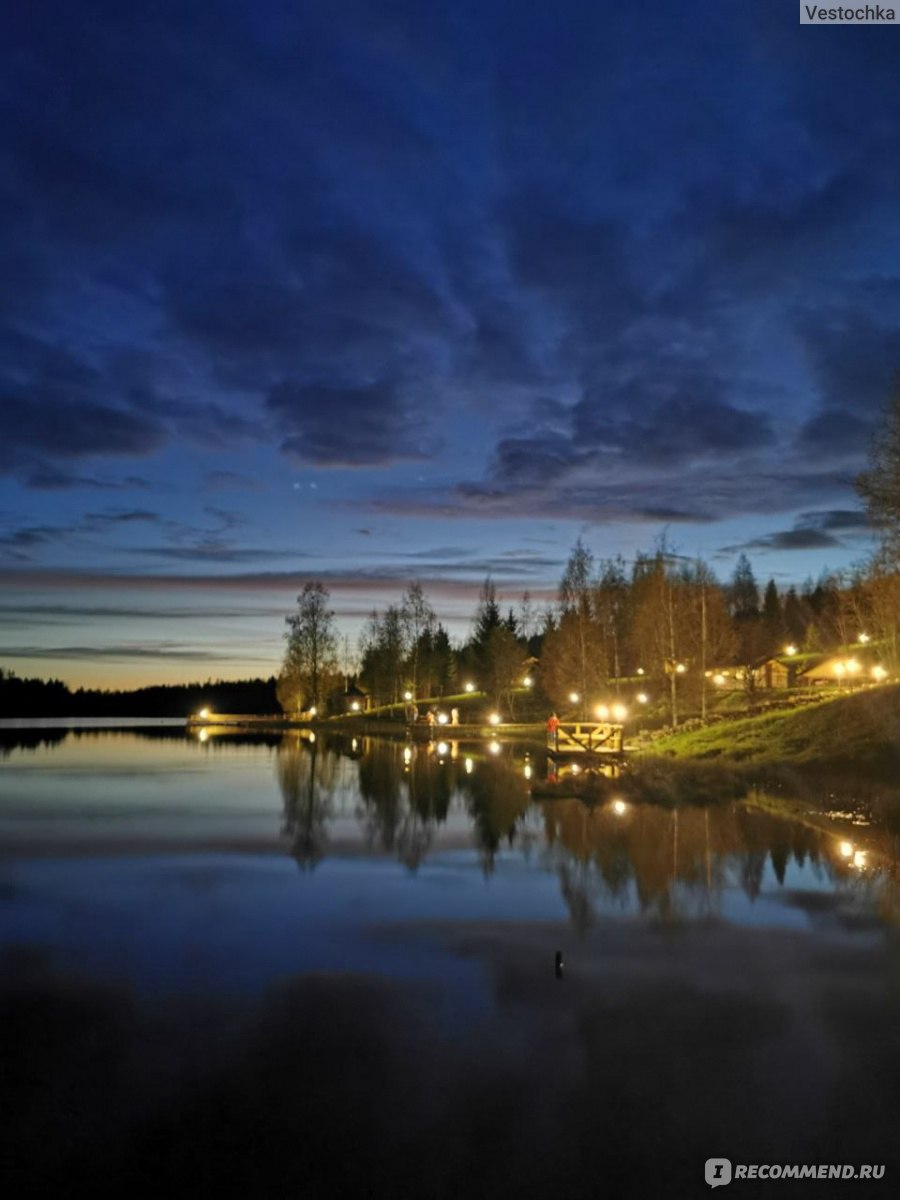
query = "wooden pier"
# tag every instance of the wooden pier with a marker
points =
(580, 739)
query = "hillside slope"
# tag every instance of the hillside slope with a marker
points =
(854, 732)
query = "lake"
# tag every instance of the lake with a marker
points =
(261, 965)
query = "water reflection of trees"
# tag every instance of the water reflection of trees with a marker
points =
(670, 862)
(307, 780)
(667, 862)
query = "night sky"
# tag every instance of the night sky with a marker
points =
(373, 291)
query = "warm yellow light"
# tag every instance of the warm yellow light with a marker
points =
(494, 747)
(859, 859)
(527, 681)
(203, 735)
(790, 650)
(642, 697)
(355, 706)
(494, 719)
(313, 711)
(469, 765)
(312, 736)
(602, 712)
(840, 670)
(354, 744)
(406, 695)
(879, 673)
(852, 666)
(619, 711)
(575, 768)
(407, 754)
(680, 668)
(527, 770)
(574, 697)
(640, 670)
(719, 680)
(442, 747)
(203, 714)
(863, 638)
(442, 718)
(470, 687)
(846, 849)
(619, 807)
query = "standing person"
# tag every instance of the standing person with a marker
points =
(553, 731)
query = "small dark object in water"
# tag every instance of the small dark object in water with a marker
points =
(558, 965)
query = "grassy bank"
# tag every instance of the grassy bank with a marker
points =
(859, 732)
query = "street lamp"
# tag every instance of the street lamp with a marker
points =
(790, 651)
(470, 687)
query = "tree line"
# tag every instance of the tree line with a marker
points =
(53, 698)
(662, 621)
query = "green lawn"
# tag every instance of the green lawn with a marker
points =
(860, 730)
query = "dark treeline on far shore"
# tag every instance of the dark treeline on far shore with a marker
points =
(52, 698)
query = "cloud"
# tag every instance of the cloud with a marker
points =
(125, 653)
(816, 529)
(787, 539)
(328, 426)
(35, 426)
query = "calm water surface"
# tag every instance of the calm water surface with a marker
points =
(259, 964)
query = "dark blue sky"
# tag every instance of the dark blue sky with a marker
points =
(373, 291)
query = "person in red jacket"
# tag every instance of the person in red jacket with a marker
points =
(553, 731)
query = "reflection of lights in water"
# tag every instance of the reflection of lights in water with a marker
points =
(846, 849)
(203, 735)
(494, 747)
(619, 807)
(602, 711)
(312, 736)
(442, 747)
(859, 859)
(494, 719)
(407, 754)
(619, 711)
(470, 766)
(527, 770)
(442, 718)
